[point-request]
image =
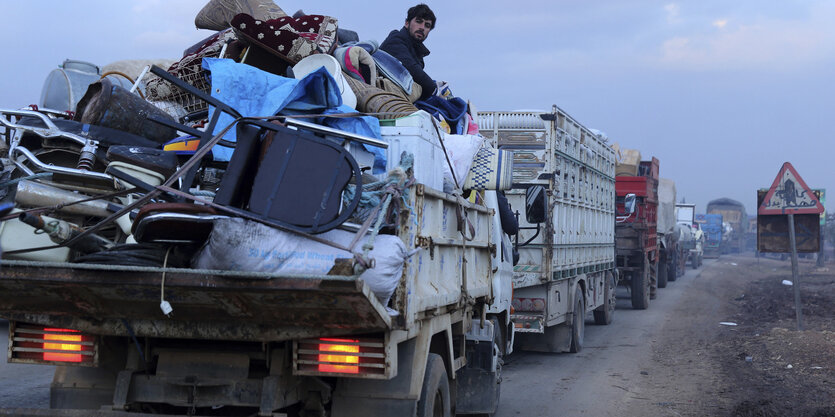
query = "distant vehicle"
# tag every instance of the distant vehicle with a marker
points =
(667, 236)
(713, 229)
(686, 215)
(733, 212)
(636, 240)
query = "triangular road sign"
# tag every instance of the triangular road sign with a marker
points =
(789, 194)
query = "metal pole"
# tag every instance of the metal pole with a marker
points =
(795, 283)
(821, 255)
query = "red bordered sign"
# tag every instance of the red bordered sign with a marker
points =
(789, 194)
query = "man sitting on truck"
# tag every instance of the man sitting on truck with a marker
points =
(407, 46)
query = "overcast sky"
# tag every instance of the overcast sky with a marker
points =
(722, 92)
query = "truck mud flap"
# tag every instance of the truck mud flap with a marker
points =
(113, 300)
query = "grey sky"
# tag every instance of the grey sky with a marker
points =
(721, 92)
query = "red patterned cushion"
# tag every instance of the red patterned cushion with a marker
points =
(293, 38)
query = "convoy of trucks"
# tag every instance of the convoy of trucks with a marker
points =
(158, 339)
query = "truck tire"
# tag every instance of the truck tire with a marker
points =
(661, 274)
(578, 324)
(640, 289)
(603, 315)
(672, 267)
(434, 396)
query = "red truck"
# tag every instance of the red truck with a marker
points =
(636, 239)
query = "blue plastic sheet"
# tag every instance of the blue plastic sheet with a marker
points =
(253, 93)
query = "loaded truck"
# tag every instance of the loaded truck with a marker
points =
(686, 215)
(667, 234)
(636, 239)
(733, 212)
(166, 340)
(713, 229)
(564, 176)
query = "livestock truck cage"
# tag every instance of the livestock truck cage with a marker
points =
(566, 257)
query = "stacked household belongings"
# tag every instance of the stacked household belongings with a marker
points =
(628, 161)
(274, 140)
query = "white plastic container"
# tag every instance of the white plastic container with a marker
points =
(14, 235)
(415, 134)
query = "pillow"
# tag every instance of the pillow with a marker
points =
(217, 14)
(492, 169)
(292, 38)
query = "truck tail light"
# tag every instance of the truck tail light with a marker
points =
(341, 351)
(63, 340)
(358, 357)
(528, 305)
(38, 344)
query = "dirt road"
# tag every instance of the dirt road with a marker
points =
(676, 359)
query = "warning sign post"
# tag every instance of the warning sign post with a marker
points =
(789, 195)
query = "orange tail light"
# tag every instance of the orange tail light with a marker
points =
(62, 335)
(340, 353)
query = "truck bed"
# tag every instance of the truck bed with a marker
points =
(249, 306)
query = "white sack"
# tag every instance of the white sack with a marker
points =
(242, 245)
(461, 150)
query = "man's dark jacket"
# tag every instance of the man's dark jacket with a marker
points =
(410, 52)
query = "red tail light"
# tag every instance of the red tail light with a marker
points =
(37, 344)
(342, 353)
(355, 356)
(62, 335)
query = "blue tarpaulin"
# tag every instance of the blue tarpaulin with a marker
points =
(254, 93)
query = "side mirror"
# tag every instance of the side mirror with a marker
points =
(629, 203)
(536, 204)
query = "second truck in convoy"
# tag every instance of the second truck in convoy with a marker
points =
(566, 267)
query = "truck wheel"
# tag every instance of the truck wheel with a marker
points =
(603, 315)
(578, 325)
(672, 268)
(662, 274)
(434, 396)
(640, 290)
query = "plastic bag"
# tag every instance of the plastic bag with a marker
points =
(461, 150)
(242, 245)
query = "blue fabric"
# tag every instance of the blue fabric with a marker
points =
(454, 111)
(253, 93)
(388, 65)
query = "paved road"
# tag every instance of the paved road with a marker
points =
(604, 378)
(22, 385)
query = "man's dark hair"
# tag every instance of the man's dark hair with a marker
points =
(421, 11)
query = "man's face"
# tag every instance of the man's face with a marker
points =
(419, 28)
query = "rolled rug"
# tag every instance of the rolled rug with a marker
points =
(375, 100)
(218, 14)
